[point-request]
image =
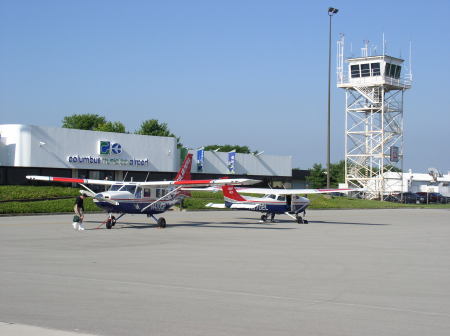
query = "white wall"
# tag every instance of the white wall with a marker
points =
(36, 146)
(265, 165)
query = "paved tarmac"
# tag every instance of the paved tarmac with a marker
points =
(348, 272)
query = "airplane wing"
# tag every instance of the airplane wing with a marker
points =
(69, 180)
(182, 183)
(266, 191)
(186, 184)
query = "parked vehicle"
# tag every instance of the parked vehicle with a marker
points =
(407, 197)
(392, 198)
(432, 197)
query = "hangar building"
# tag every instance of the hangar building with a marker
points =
(37, 150)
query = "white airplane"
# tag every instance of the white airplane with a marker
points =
(274, 201)
(150, 198)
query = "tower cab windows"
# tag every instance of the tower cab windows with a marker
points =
(393, 70)
(365, 70)
(375, 69)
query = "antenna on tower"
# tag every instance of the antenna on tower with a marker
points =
(410, 64)
(340, 58)
(384, 46)
(365, 49)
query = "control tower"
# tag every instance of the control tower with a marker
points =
(374, 89)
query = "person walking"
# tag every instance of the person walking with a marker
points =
(79, 213)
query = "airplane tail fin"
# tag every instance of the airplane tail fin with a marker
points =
(185, 174)
(185, 170)
(231, 194)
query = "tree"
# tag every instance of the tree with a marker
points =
(155, 128)
(109, 126)
(317, 177)
(337, 172)
(229, 148)
(83, 121)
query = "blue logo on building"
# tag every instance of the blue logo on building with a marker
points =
(106, 148)
(116, 148)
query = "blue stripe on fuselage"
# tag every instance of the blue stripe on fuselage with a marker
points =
(135, 207)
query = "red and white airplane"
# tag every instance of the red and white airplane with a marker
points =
(274, 201)
(150, 198)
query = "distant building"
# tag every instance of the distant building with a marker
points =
(417, 182)
(36, 150)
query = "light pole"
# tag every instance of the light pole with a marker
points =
(331, 12)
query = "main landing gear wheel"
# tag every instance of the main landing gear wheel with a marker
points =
(300, 220)
(161, 222)
(264, 218)
(110, 222)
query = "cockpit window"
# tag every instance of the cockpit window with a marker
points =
(138, 193)
(271, 196)
(281, 198)
(115, 187)
(129, 188)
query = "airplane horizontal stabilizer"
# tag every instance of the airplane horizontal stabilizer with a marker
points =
(216, 206)
(243, 206)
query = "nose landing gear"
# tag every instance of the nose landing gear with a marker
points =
(111, 221)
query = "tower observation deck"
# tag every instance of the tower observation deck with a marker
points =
(374, 89)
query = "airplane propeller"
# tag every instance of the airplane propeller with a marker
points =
(99, 197)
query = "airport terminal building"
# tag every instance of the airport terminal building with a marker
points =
(37, 150)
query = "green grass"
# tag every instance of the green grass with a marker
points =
(62, 205)
(35, 192)
(39, 195)
(322, 202)
(198, 201)
(200, 198)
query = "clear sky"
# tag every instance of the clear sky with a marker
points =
(245, 72)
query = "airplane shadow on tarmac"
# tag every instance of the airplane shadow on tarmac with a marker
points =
(227, 225)
(287, 221)
(233, 225)
(345, 223)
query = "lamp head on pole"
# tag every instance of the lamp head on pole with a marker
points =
(332, 11)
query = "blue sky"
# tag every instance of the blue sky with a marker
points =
(237, 72)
